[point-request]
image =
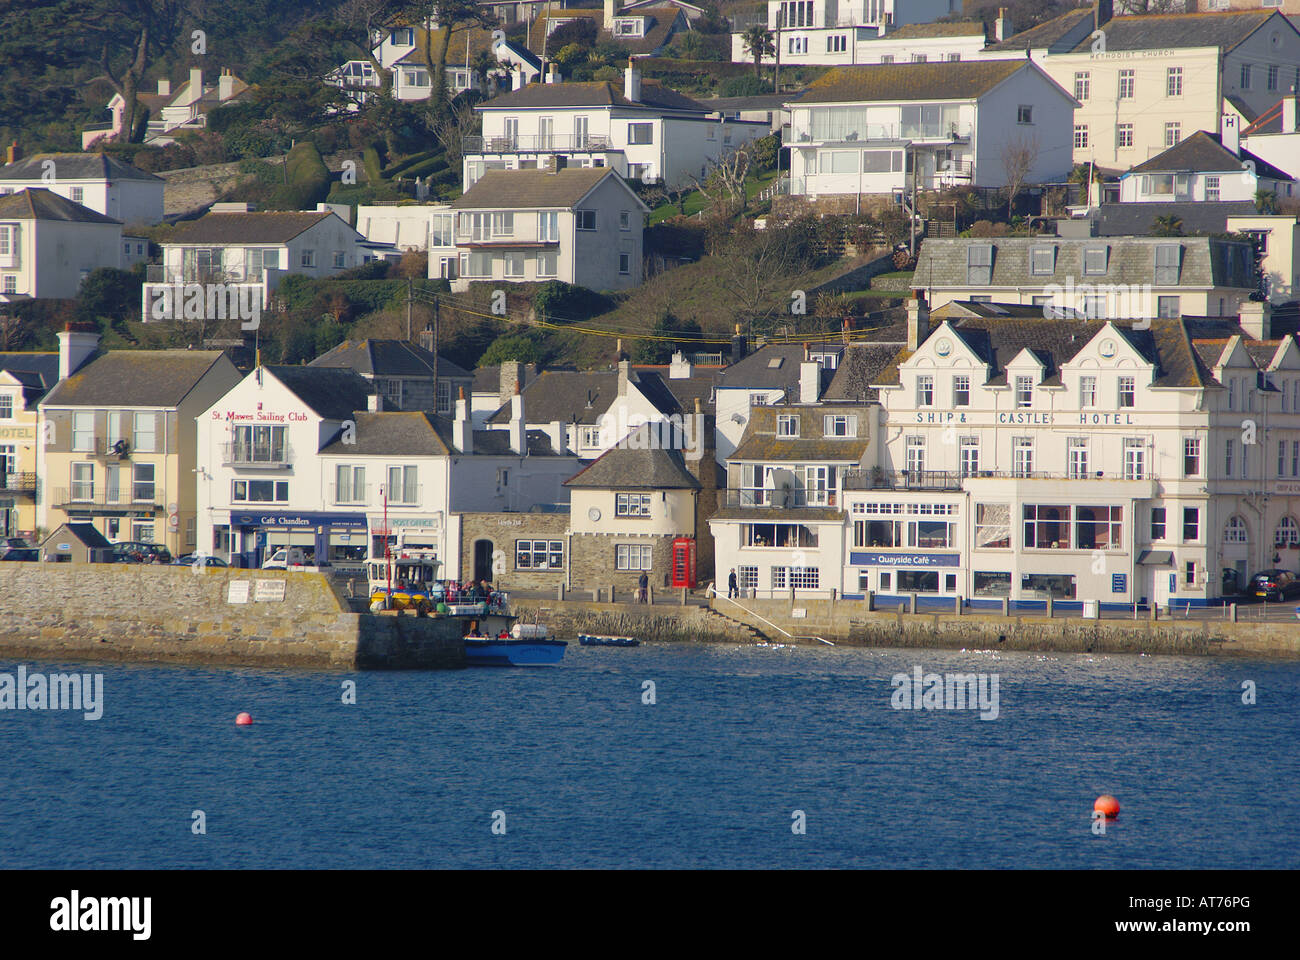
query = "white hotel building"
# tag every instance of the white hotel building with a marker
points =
(1025, 458)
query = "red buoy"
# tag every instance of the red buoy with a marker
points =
(1108, 805)
(244, 719)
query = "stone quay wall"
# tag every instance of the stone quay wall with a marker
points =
(651, 623)
(171, 614)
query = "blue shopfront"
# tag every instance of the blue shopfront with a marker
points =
(328, 536)
(901, 574)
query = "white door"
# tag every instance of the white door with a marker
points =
(580, 132)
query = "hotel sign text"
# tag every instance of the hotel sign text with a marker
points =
(1022, 418)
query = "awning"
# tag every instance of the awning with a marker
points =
(1156, 558)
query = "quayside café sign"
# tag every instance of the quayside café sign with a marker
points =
(1028, 418)
(870, 559)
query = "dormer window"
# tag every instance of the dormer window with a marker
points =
(1043, 261)
(787, 426)
(1024, 391)
(979, 263)
(404, 37)
(1094, 261)
(629, 26)
(1168, 261)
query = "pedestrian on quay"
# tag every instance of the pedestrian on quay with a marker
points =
(642, 587)
(733, 590)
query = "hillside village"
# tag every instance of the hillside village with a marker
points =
(877, 298)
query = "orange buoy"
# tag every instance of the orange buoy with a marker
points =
(1108, 805)
(244, 719)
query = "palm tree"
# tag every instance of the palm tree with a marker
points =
(1167, 226)
(1266, 201)
(758, 44)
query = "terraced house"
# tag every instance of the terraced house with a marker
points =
(118, 444)
(24, 379)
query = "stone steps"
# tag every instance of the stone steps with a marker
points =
(738, 625)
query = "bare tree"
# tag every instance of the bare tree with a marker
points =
(724, 183)
(450, 128)
(1019, 155)
(758, 269)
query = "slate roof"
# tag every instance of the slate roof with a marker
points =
(38, 203)
(859, 366)
(75, 166)
(678, 395)
(135, 378)
(1130, 260)
(334, 393)
(956, 309)
(389, 358)
(488, 379)
(391, 434)
(84, 533)
(1137, 219)
(262, 227)
(1223, 29)
(37, 372)
(760, 442)
(1203, 152)
(757, 372)
(573, 396)
(597, 93)
(1048, 33)
(891, 82)
(1054, 342)
(528, 189)
(496, 443)
(630, 467)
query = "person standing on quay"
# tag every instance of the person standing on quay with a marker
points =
(642, 587)
(733, 590)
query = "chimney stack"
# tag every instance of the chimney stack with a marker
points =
(196, 84)
(679, 368)
(1288, 112)
(13, 153)
(462, 429)
(225, 85)
(1256, 318)
(1002, 25)
(164, 87)
(512, 371)
(375, 402)
(632, 82)
(77, 344)
(810, 378)
(625, 376)
(1231, 134)
(918, 322)
(518, 429)
(425, 337)
(738, 346)
(609, 12)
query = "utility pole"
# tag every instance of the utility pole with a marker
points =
(410, 299)
(436, 361)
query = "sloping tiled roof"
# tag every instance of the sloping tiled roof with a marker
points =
(1130, 260)
(760, 442)
(37, 372)
(1203, 152)
(760, 370)
(75, 166)
(527, 189)
(262, 227)
(391, 434)
(488, 379)
(859, 366)
(575, 396)
(37, 203)
(1138, 219)
(640, 463)
(935, 80)
(1223, 29)
(599, 93)
(389, 358)
(334, 393)
(678, 395)
(1047, 33)
(140, 378)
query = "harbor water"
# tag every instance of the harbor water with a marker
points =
(664, 756)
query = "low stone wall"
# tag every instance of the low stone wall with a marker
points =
(849, 622)
(653, 623)
(140, 612)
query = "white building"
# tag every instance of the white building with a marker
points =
(878, 129)
(1144, 83)
(1204, 167)
(49, 245)
(1274, 136)
(102, 183)
(580, 226)
(401, 51)
(249, 253)
(170, 113)
(301, 456)
(643, 131)
(822, 32)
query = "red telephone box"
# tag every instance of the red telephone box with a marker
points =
(684, 562)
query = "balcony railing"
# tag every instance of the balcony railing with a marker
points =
(353, 494)
(537, 143)
(20, 483)
(127, 496)
(405, 496)
(166, 273)
(779, 499)
(952, 480)
(890, 132)
(268, 456)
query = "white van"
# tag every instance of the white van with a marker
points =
(293, 558)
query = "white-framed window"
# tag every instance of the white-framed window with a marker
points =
(1042, 261)
(1080, 136)
(503, 224)
(625, 219)
(260, 491)
(1234, 531)
(308, 258)
(1173, 81)
(1082, 84)
(640, 133)
(1024, 391)
(632, 556)
(1022, 456)
(539, 554)
(1025, 113)
(1135, 454)
(1287, 533)
(1211, 188)
(585, 219)
(1124, 135)
(340, 259)
(548, 226)
(1273, 72)
(142, 531)
(8, 234)
(403, 484)
(589, 436)
(1191, 524)
(78, 195)
(1245, 76)
(6, 406)
(915, 454)
(925, 390)
(1173, 133)
(1229, 450)
(83, 482)
(1127, 391)
(9, 284)
(403, 36)
(514, 264)
(1077, 454)
(961, 390)
(1191, 456)
(787, 425)
(746, 578)
(142, 482)
(632, 505)
(969, 450)
(83, 430)
(840, 425)
(624, 264)
(1126, 86)
(548, 263)
(349, 484)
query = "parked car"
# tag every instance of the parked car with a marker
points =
(189, 559)
(291, 558)
(134, 551)
(30, 554)
(13, 543)
(1275, 585)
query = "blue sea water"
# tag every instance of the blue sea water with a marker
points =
(709, 775)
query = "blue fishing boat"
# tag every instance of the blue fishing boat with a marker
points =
(601, 640)
(510, 652)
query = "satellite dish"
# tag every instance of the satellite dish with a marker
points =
(737, 418)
